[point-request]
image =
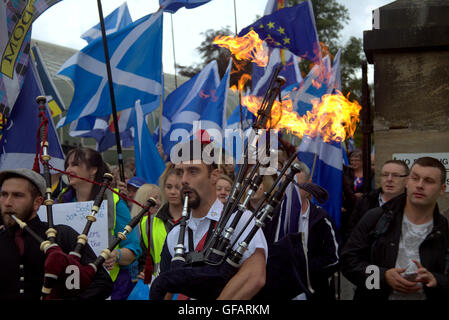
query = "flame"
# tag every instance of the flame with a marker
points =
(248, 47)
(333, 117)
(316, 84)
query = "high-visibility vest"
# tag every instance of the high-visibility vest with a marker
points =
(158, 235)
(113, 273)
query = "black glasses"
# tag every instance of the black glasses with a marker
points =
(393, 175)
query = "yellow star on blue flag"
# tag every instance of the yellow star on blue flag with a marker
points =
(291, 28)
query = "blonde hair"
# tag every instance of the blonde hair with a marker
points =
(142, 195)
(169, 170)
(225, 177)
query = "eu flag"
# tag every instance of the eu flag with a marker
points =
(291, 28)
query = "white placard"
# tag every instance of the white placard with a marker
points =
(410, 158)
(74, 215)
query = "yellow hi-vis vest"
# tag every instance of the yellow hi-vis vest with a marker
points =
(158, 235)
(113, 273)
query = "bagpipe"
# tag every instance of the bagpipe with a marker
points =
(203, 275)
(57, 261)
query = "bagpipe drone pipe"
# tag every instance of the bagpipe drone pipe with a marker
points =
(203, 275)
(57, 261)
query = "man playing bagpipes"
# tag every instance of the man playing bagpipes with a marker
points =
(198, 183)
(22, 260)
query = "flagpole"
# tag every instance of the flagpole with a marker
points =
(111, 92)
(238, 89)
(173, 45)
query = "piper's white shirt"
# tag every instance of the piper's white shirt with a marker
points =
(303, 224)
(200, 226)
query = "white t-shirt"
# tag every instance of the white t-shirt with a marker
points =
(412, 235)
(200, 226)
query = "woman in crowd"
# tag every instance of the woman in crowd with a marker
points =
(154, 228)
(352, 188)
(87, 163)
(223, 188)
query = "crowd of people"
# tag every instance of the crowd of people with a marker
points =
(396, 228)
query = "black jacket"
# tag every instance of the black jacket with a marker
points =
(357, 253)
(368, 201)
(26, 272)
(323, 252)
(322, 246)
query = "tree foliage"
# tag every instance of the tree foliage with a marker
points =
(208, 52)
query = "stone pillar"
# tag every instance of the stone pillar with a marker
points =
(409, 47)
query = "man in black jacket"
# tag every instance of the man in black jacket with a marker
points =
(320, 234)
(392, 184)
(400, 250)
(22, 261)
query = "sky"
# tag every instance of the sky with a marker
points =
(64, 22)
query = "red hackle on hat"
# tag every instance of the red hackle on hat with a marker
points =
(203, 136)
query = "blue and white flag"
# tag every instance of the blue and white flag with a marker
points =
(116, 20)
(102, 128)
(262, 75)
(234, 123)
(103, 131)
(325, 160)
(313, 87)
(174, 5)
(290, 212)
(20, 139)
(186, 104)
(213, 117)
(149, 164)
(136, 65)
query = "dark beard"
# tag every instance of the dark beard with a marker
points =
(23, 215)
(193, 203)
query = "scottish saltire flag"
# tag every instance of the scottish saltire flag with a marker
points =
(136, 63)
(290, 28)
(116, 20)
(213, 117)
(335, 77)
(19, 142)
(290, 212)
(54, 100)
(234, 122)
(186, 104)
(149, 164)
(327, 168)
(174, 5)
(103, 131)
(16, 18)
(236, 136)
(261, 76)
(102, 128)
(311, 88)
